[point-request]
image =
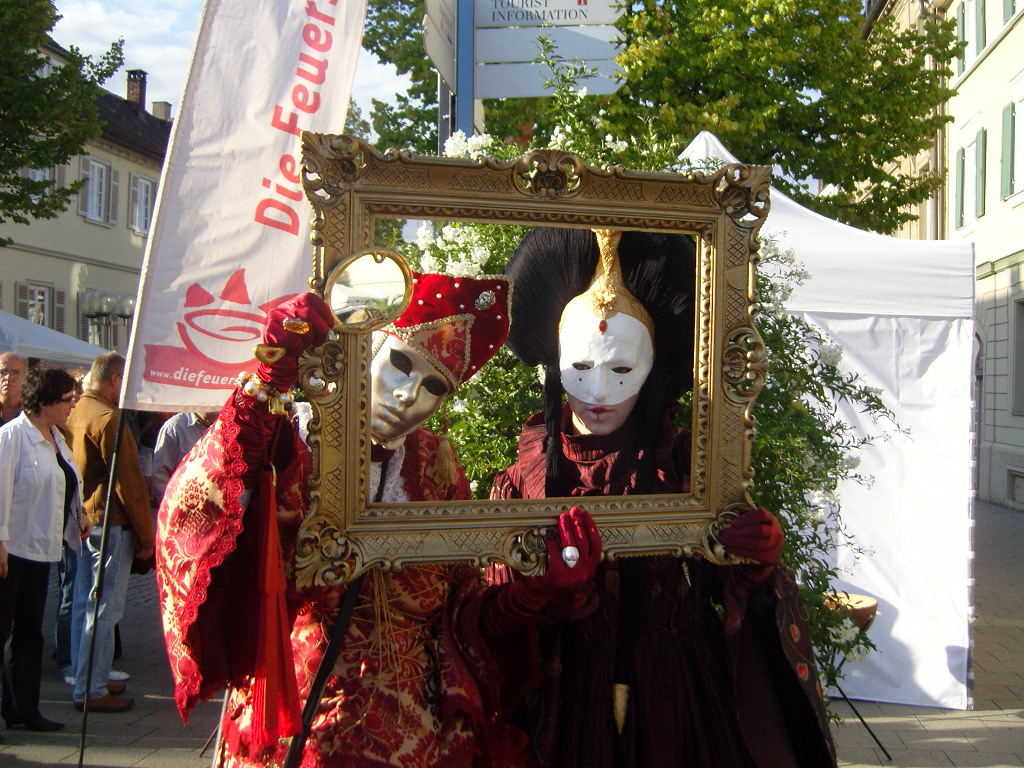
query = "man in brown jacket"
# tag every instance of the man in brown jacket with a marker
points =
(92, 429)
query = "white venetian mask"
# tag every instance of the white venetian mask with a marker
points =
(602, 362)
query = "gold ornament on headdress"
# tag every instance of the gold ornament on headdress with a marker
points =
(607, 293)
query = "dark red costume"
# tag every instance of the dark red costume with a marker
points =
(706, 689)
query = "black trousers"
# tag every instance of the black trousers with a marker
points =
(22, 603)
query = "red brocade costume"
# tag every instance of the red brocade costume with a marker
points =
(706, 690)
(405, 691)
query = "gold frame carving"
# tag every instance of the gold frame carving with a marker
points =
(349, 184)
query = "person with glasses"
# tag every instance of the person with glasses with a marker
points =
(40, 507)
(12, 375)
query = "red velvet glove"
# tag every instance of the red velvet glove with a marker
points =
(307, 307)
(754, 534)
(523, 598)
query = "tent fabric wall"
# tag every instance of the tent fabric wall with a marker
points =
(30, 340)
(903, 313)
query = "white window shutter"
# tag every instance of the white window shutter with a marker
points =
(115, 183)
(133, 201)
(84, 167)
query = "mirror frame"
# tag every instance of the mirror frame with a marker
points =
(350, 184)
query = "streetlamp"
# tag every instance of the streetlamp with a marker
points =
(104, 309)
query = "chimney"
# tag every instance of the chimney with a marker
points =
(162, 110)
(137, 88)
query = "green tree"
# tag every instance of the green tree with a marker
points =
(355, 123)
(46, 114)
(394, 34)
(795, 85)
(789, 84)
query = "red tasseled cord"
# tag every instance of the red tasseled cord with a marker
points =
(276, 710)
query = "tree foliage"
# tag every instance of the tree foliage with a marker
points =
(394, 34)
(790, 84)
(46, 114)
(794, 85)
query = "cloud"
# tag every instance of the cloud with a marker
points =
(158, 37)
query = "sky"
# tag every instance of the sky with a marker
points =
(158, 36)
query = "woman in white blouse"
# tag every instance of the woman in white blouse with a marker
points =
(40, 506)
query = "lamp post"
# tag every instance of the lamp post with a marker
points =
(104, 309)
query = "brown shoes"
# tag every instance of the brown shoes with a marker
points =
(115, 689)
(108, 703)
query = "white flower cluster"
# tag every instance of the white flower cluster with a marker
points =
(464, 248)
(830, 354)
(458, 145)
(613, 145)
(845, 633)
(560, 138)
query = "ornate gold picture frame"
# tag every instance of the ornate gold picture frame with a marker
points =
(351, 185)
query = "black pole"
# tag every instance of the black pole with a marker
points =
(97, 590)
(323, 672)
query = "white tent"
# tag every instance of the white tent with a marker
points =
(30, 340)
(902, 311)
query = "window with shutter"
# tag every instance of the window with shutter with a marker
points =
(35, 303)
(142, 195)
(1009, 8)
(98, 199)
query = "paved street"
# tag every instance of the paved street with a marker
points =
(991, 735)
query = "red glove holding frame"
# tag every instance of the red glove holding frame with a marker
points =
(522, 599)
(310, 318)
(754, 534)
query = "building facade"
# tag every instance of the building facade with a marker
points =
(79, 273)
(985, 205)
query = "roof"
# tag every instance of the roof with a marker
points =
(126, 124)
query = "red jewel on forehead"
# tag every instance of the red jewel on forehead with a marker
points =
(602, 326)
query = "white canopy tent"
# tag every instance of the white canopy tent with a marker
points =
(30, 340)
(903, 312)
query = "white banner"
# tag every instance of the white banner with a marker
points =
(231, 233)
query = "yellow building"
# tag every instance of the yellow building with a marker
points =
(985, 205)
(79, 273)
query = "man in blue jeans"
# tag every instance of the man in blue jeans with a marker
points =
(130, 533)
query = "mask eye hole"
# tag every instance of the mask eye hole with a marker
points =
(401, 361)
(621, 369)
(582, 366)
(436, 387)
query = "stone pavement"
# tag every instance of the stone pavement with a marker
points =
(991, 735)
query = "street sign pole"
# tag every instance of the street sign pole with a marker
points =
(444, 114)
(464, 68)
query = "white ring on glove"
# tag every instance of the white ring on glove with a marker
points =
(570, 556)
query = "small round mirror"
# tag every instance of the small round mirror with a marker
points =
(368, 290)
